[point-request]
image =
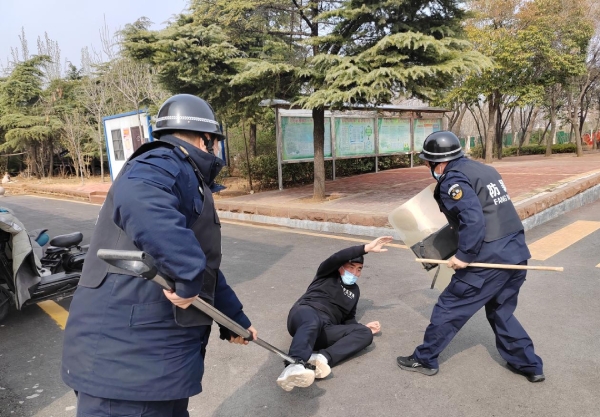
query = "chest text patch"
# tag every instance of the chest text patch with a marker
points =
(347, 292)
(455, 192)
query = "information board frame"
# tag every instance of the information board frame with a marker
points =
(374, 114)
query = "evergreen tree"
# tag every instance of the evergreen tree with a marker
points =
(22, 118)
(319, 53)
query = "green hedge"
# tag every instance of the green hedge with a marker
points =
(477, 151)
(264, 169)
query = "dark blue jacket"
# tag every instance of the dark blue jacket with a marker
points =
(121, 339)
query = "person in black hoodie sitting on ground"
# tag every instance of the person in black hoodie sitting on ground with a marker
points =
(323, 319)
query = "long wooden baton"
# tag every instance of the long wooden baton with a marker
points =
(141, 264)
(497, 266)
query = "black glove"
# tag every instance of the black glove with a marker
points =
(226, 334)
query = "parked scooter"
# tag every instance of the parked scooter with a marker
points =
(34, 267)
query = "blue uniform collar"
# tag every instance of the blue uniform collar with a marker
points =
(453, 164)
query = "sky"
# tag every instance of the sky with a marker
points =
(75, 24)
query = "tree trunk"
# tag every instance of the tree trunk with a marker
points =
(34, 162)
(574, 117)
(499, 132)
(491, 128)
(51, 168)
(552, 122)
(513, 131)
(247, 157)
(101, 151)
(574, 121)
(530, 124)
(595, 131)
(543, 138)
(552, 125)
(253, 139)
(81, 167)
(228, 158)
(455, 128)
(142, 137)
(319, 159)
(318, 116)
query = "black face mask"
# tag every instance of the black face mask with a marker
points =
(432, 167)
(209, 143)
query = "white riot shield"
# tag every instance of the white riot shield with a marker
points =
(417, 219)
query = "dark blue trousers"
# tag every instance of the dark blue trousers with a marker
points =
(88, 406)
(311, 331)
(460, 301)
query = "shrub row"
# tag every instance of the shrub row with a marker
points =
(477, 151)
(264, 169)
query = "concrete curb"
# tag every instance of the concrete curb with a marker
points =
(575, 202)
(302, 214)
(83, 195)
(96, 197)
(343, 228)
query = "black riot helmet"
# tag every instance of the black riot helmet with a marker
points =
(441, 146)
(186, 112)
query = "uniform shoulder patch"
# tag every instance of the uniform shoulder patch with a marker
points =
(455, 192)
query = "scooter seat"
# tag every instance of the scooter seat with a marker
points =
(66, 241)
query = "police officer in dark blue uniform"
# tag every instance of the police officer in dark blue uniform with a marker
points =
(474, 199)
(132, 348)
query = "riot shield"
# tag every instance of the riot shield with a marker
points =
(420, 220)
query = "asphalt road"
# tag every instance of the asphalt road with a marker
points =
(270, 268)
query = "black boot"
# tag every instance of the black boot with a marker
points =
(531, 377)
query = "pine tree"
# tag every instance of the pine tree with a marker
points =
(318, 53)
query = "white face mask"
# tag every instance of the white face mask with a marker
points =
(434, 174)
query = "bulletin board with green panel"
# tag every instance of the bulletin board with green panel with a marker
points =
(424, 128)
(394, 135)
(297, 138)
(353, 134)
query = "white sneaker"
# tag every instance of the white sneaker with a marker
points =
(321, 364)
(295, 375)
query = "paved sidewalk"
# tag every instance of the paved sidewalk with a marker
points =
(361, 204)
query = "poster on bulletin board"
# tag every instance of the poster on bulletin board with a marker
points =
(424, 128)
(297, 137)
(354, 136)
(394, 135)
